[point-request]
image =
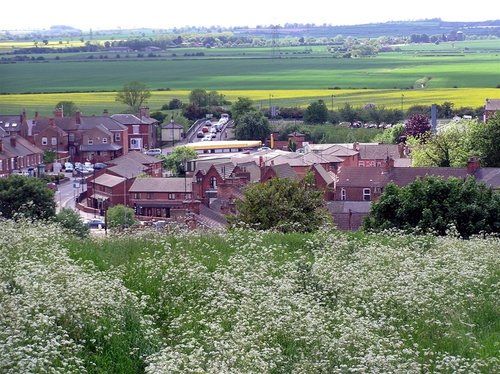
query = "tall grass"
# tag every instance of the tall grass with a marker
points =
(248, 301)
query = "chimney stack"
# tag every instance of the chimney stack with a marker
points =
(78, 118)
(473, 164)
(59, 112)
(13, 139)
(389, 164)
(105, 112)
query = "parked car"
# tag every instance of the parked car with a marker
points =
(96, 223)
(206, 138)
(68, 166)
(200, 134)
(204, 129)
(52, 186)
(100, 165)
(153, 152)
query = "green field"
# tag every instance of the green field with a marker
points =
(464, 73)
(96, 102)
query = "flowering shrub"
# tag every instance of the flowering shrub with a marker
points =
(61, 316)
(248, 302)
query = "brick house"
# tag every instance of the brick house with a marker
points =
(171, 132)
(53, 138)
(102, 138)
(141, 130)
(324, 181)
(161, 197)
(279, 171)
(490, 108)
(296, 137)
(18, 154)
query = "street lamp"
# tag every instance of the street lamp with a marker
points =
(402, 99)
(332, 101)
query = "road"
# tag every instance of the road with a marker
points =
(67, 192)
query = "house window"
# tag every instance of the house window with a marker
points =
(1, 165)
(135, 129)
(90, 141)
(171, 196)
(199, 179)
(187, 196)
(377, 190)
(118, 137)
(213, 183)
(104, 140)
(44, 141)
(53, 141)
(361, 163)
(136, 143)
(343, 194)
(149, 195)
(71, 137)
(137, 195)
(367, 194)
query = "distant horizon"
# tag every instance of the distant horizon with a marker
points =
(26, 15)
(245, 26)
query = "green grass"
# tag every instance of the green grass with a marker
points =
(246, 301)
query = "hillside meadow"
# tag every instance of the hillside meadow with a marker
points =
(246, 302)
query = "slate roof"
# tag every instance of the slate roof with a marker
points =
(137, 156)
(22, 148)
(490, 176)
(378, 151)
(161, 185)
(100, 147)
(284, 171)
(404, 176)
(127, 119)
(108, 180)
(354, 176)
(6, 122)
(128, 169)
(65, 123)
(327, 177)
(224, 169)
(492, 104)
(90, 122)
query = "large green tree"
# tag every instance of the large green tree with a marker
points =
(176, 161)
(26, 196)
(435, 205)
(242, 106)
(316, 112)
(252, 126)
(69, 108)
(451, 146)
(133, 94)
(281, 204)
(120, 216)
(488, 142)
(72, 221)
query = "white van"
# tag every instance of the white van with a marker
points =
(153, 152)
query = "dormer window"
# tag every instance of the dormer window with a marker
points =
(90, 141)
(104, 140)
